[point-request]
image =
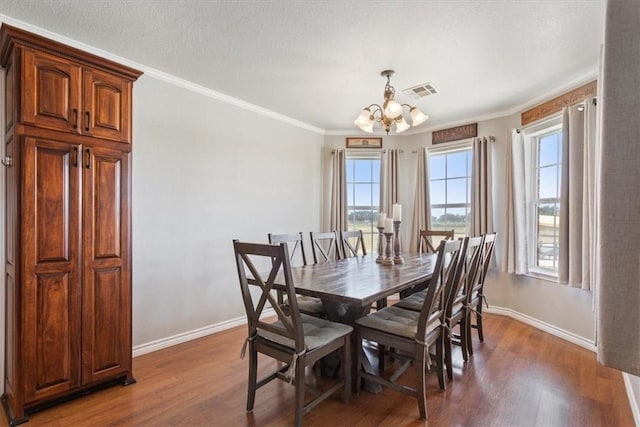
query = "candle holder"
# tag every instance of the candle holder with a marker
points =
(388, 260)
(380, 258)
(396, 243)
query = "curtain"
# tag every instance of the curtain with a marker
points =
(618, 284)
(514, 239)
(421, 203)
(577, 198)
(339, 191)
(389, 181)
(481, 195)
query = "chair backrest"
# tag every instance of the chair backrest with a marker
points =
(274, 262)
(487, 253)
(352, 243)
(294, 242)
(324, 246)
(427, 242)
(467, 273)
(444, 271)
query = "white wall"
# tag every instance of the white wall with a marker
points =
(204, 173)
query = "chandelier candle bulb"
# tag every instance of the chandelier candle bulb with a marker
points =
(397, 212)
(381, 218)
(388, 225)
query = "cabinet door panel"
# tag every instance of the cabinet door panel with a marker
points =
(107, 105)
(51, 282)
(106, 327)
(51, 92)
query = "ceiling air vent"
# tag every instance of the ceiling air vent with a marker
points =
(421, 91)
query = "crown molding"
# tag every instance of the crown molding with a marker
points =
(160, 75)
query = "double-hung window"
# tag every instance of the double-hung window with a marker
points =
(545, 148)
(363, 197)
(450, 190)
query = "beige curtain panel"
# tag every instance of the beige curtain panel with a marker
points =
(618, 306)
(481, 196)
(389, 181)
(422, 203)
(577, 197)
(339, 191)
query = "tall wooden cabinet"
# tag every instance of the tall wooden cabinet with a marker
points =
(67, 134)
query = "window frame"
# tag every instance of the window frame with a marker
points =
(466, 145)
(550, 127)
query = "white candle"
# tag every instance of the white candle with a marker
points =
(381, 218)
(397, 212)
(388, 225)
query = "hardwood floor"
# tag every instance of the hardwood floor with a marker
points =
(519, 376)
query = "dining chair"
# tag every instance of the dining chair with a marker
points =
(296, 339)
(324, 246)
(426, 242)
(307, 305)
(476, 294)
(413, 333)
(352, 243)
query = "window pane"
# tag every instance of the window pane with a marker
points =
(375, 171)
(548, 182)
(457, 164)
(438, 219)
(436, 167)
(549, 149)
(362, 194)
(437, 192)
(456, 190)
(456, 219)
(350, 195)
(350, 168)
(375, 201)
(362, 171)
(548, 235)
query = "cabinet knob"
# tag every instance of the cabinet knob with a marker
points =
(7, 161)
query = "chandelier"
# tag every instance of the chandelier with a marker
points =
(390, 112)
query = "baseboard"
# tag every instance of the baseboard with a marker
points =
(156, 345)
(633, 399)
(543, 326)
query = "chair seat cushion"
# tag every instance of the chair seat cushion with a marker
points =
(317, 332)
(396, 321)
(413, 302)
(308, 304)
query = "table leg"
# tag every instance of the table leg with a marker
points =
(348, 314)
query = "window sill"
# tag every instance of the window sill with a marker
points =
(543, 275)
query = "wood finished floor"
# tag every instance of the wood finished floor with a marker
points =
(519, 376)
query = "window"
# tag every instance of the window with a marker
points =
(450, 190)
(544, 200)
(363, 198)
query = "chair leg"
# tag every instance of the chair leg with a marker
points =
(358, 362)
(421, 367)
(469, 337)
(464, 339)
(447, 353)
(299, 383)
(346, 370)
(479, 320)
(253, 377)
(440, 362)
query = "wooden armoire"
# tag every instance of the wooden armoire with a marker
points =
(67, 133)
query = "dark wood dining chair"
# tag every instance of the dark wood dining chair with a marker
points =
(324, 246)
(430, 239)
(307, 305)
(352, 243)
(476, 294)
(295, 339)
(413, 333)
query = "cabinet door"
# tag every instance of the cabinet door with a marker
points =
(107, 106)
(106, 320)
(51, 276)
(51, 91)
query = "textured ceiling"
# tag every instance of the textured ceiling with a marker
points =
(320, 62)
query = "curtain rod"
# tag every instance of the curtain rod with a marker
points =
(384, 150)
(594, 101)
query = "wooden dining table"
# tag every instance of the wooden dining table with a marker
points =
(350, 286)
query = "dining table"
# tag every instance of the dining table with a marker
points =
(348, 287)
